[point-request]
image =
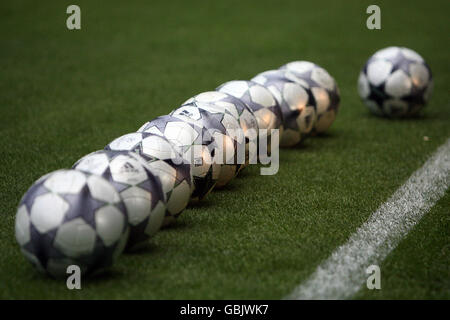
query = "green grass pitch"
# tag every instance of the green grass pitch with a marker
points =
(66, 93)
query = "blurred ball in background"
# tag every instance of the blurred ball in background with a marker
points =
(395, 82)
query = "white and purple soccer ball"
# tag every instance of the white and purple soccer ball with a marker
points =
(225, 129)
(260, 100)
(69, 217)
(196, 147)
(140, 189)
(166, 163)
(240, 110)
(395, 82)
(323, 87)
(297, 103)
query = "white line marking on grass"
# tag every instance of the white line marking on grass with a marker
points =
(343, 273)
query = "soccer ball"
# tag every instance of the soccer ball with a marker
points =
(260, 100)
(140, 190)
(297, 104)
(395, 82)
(323, 87)
(166, 163)
(69, 217)
(226, 132)
(196, 147)
(240, 111)
(221, 124)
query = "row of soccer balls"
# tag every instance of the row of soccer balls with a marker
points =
(121, 196)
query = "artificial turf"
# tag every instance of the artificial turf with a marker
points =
(66, 93)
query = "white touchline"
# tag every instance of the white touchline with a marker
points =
(343, 273)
